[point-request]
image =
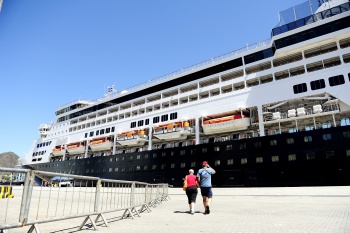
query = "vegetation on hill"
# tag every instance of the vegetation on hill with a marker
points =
(8, 159)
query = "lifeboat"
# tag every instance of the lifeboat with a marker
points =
(101, 144)
(173, 131)
(132, 138)
(226, 124)
(58, 151)
(76, 148)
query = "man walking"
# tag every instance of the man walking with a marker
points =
(204, 179)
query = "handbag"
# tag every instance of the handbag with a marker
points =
(185, 184)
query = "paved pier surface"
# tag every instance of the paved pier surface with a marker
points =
(253, 210)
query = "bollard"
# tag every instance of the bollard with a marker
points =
(6, 192)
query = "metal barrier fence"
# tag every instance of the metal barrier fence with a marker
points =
(47, 197)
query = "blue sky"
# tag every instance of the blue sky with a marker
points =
(54, 52)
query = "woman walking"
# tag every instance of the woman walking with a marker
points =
(191, 190)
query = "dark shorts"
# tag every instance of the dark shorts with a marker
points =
(206, 192)
(191, 193)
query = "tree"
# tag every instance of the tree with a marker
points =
(8, 159)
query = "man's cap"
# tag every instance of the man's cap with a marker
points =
(204, 163)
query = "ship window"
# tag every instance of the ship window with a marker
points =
(346, 134)
(171, 153)
(299, 88)
(275, 158)
(327, 136)
(336, 80)
(273, 142)
(193, 164)
(257, 144)
(217, 148)
(290, 140)
(133, 124)
(244, 160)
(145, 167)
(155, 119)
(163, 166)
(172, 165)
(217, 162)
(308, 139)
(138, 168)
(113, 128)
(146, 156)
(154, 155)
(330, 154)
(317, 84)
(147, 122)
(242, 146)
(347, 153)
(140, 123)
(91, 134)
(193, 151)
(229, 147)
(292, 157)
(183, 165)
(310, 156)
(154, 166)
(229, 161)
(108, 130)
(266, 53)
(259, 159)
(173, 116)
(163, 154)
(164, 117)
(204, 150)
(97, 132)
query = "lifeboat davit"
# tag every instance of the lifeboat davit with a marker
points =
(132, 138)
(76, 148)
(101, 144)
(173, 131)
(58, 151)
(226, 124)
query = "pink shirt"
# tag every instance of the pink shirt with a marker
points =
(191, 180)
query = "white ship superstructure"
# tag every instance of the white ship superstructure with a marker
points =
(296, 81)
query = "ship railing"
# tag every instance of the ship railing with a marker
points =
(44, 197)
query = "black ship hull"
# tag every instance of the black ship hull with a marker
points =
(307, 158)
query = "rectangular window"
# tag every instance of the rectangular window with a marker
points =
(347, 153)
(91, 134)
(113, 128)
(259, 160)
(173, 116)
(182, 152)
(138, 156)
(146, 156)
(145, 167)
(138, 168)
(193, 164)
(154, 166)
(164, 117)
(204, 150)
(336, 80)
(133, 124)
(193, 151)
(307, 139)
(242, 146)
(154, 155)
(300, 88)
(229, 161)
(327, 136)
(163, 154)
(155, 119)
(330, 154)
(183, 165)
(229, 147)
(102, 131)
(310, 156)
(163, 166)
(257, 144)
(172, 165)
(217, 162)
(317, 84)
(140, 123)
(108, 130)
(346, 134)
(275, 158)
(147, 122)
(292, 157)
(171, 153)
(244, 160)
(290, 140)
(217, 148)
(273, 142)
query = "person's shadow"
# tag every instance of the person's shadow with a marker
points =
(185, 212)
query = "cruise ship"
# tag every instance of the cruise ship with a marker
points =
(275, 113)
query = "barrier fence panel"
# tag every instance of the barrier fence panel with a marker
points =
(47, 197)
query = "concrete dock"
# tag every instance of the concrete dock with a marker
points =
(253, 210)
